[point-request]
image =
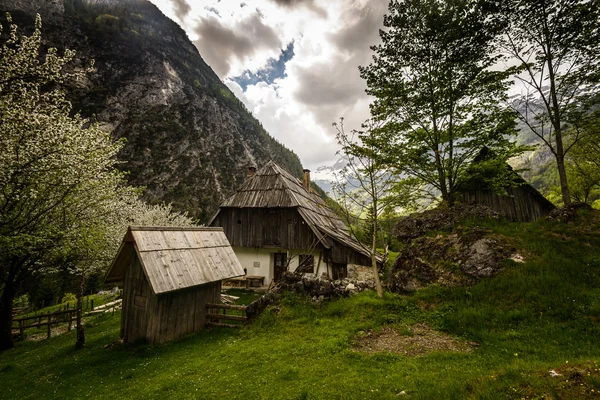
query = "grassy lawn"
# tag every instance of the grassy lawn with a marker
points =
(536, 317)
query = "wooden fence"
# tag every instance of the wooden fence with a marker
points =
(217, 313)
(47, 320)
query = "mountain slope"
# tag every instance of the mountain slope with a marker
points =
(189, 139)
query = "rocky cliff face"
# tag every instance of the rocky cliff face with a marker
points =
(189, 140)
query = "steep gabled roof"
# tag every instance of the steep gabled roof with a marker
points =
(175, 258)
(485, 154)
(274, 187)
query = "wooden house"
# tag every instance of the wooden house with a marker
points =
(275, 222)
(518, 202)
(169, 276)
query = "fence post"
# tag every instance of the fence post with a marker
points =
(70, 316)
(49, 327)
(22, 336)
(92, 309)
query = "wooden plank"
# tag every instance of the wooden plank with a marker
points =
(53, 314)
(227, 316)
(226, 306)
(223, 325)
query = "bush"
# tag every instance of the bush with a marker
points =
(69, 297)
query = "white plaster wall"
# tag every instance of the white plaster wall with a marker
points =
(248, 256)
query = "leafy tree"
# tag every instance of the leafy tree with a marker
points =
(436, 92)
(365, 184)
(556, 43)
(61, 199)
(583, 166)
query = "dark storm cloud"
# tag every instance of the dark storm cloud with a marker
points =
(220, 45)
(310, 4)
(182, 8)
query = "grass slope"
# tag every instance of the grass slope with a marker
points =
(533, 318)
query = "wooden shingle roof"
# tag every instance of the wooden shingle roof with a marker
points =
(176, 258)
(274, 187)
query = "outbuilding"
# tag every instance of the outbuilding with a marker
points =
(519, 201)
(169, 276)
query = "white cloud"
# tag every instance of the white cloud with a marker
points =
(331, 39)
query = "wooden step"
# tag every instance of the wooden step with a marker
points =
(227, 316)
(226, 306)
(223, 325)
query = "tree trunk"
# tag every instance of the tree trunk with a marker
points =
(374, 257)
(442, 178)
(562, 172)
(80, 333)
(6, 303)
(554, 112)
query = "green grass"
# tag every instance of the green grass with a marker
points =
(537, 316)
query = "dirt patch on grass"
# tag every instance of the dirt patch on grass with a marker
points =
(416, 340)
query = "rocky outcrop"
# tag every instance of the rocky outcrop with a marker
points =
(189, 140)
(418, 224)
(449, 260)
(567, 213)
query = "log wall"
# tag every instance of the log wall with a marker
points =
(518, 205)
(265, 227)
(159, 318)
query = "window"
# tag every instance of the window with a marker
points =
(306, 263)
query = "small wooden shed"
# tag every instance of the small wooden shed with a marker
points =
(520, 202)
(169, 276)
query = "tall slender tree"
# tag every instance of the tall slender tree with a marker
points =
(366, 183)
(556, 44)
(436, 91)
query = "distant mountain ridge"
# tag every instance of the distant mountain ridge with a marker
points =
(189, 139)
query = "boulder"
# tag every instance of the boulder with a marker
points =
(448, 260)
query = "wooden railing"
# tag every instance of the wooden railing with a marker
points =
(233, 314)
(47, 319)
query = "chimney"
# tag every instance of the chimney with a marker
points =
(306, 180)
(251, 172)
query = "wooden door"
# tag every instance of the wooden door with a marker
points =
(339, 271)
(280, 265)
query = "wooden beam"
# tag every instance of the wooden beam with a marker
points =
(226, 306)
(227, 316)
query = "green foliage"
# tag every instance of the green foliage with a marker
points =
(437, 95)
(21, 301)
(556, 43)
(69, 297)
(63, 206)
(583, 168)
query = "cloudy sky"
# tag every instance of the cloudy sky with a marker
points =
(294, 63)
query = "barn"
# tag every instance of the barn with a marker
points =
(275, 222)
(519, 202)
(169, 274)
